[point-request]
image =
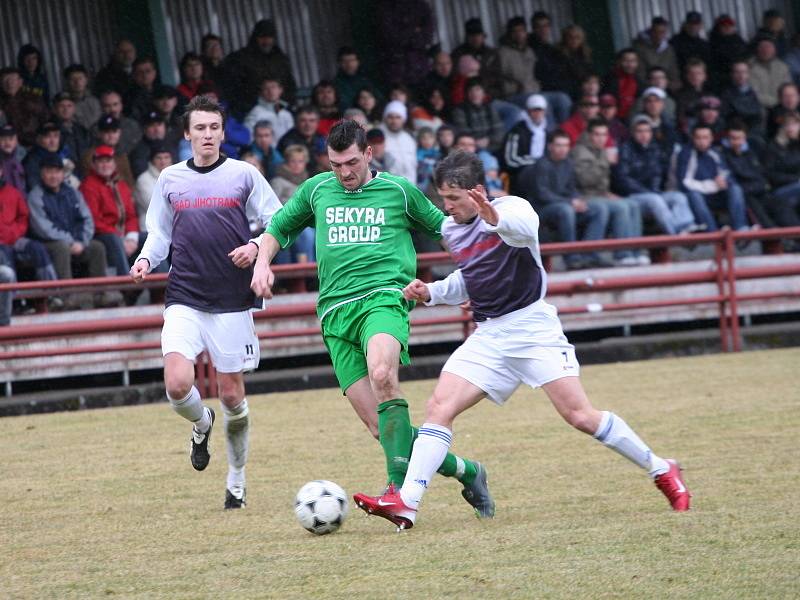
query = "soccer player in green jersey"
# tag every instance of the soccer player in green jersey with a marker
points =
(363, 221)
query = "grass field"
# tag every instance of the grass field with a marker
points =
(104, 503)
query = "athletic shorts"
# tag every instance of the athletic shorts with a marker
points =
(347, 329)
(525, 346)
(230, 338)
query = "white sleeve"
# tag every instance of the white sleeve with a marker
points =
(262, 202)
(450, 290)
(518, 225)
(159, 226)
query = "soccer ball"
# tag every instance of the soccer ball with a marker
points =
(321, 506)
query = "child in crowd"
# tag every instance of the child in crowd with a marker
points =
(494, 186)
(428, 156)
(445, 138)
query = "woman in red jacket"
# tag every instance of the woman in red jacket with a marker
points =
(111, 203)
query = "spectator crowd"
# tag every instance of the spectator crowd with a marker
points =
(685, 132)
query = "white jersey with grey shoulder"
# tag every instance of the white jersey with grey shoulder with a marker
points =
(499, 267)
(203, 213)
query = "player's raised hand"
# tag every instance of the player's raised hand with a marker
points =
(417, 290)
(263, 279)
(139, 270)
(486, 211)
(243, 256)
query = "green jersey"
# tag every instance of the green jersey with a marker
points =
(363, 236)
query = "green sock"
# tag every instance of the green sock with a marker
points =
(394, 430)
(463, 469)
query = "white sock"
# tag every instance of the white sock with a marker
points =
(191, 408)
(429, 451)
(615, 433)
(237, 430)
(235, 481)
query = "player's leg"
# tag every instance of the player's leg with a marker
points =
(181, 342)
(237, 435)
(362, 399)
(396, 434)
(570, 400)
(451, 397)
(394, 423)
(233, 347)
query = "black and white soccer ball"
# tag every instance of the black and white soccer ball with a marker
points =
(321, 506)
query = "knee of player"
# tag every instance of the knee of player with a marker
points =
(438, 409)
(383, 377)
(177, 387)
(585, 420)
(230, 395)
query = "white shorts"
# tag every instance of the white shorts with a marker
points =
(525, 346)
(230, 338)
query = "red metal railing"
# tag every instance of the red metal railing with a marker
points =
(725, 276)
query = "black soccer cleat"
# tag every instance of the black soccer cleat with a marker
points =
(232, 501)
(200, 455)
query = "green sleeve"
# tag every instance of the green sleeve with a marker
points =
(296, 215)
(424, 214)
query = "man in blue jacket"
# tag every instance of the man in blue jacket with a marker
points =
(60, 218)
(704, 177)
(640, 175)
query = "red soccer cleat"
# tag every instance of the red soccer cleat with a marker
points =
(672, 486)
(390, 506)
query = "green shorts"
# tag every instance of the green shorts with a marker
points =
(347, 329)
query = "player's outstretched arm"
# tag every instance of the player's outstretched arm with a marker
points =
(263, 277)
(417, 290)
(139, 270)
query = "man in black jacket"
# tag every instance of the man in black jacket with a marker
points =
(246, 68)
(746, 168)
(739, 100)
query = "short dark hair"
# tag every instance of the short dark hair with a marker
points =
(558, 133)
(344, 134)
(540, 15)
(624, 51)
(202, 103)
(75, 68)
(737, 124)
(461, 135)
(595, 123)
(655, 69)
(144, 60)
(694, 62)
(460, 169)
(473, 82)
(209, 37)
(515, 22)
(8, 70)
(346, 51)
(700, 126)
(190, 57)
(308, 109)
(109, 91)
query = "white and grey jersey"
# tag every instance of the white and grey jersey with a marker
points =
(500, 267)
(203, 213)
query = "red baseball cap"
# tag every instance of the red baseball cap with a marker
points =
(103, 151)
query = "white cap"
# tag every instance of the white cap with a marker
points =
(654, 91)
(536, 101)
(395, 107)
